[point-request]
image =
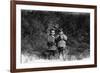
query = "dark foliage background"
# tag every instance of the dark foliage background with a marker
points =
(35, 26)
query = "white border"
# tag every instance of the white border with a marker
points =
(53, 63)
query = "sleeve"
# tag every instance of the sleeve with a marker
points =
(65, 37)
(57, 36)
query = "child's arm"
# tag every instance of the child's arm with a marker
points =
(65, 37)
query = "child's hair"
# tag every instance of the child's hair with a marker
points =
(52, 30)
(60, 30)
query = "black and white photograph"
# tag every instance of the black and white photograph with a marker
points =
(52, 35)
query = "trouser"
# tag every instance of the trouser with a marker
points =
(63, 52)
(52, 53)
(60, 50)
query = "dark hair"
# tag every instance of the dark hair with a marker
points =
(60, 30)
(52, 30)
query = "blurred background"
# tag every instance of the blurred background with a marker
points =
(35, 26)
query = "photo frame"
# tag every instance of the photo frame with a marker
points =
(32, 22)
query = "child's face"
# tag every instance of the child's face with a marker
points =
(52, 32)
(61, 33)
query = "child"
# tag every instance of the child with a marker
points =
(61, 42)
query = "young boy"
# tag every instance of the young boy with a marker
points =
(51, 43)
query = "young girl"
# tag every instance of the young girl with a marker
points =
(61, 42)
